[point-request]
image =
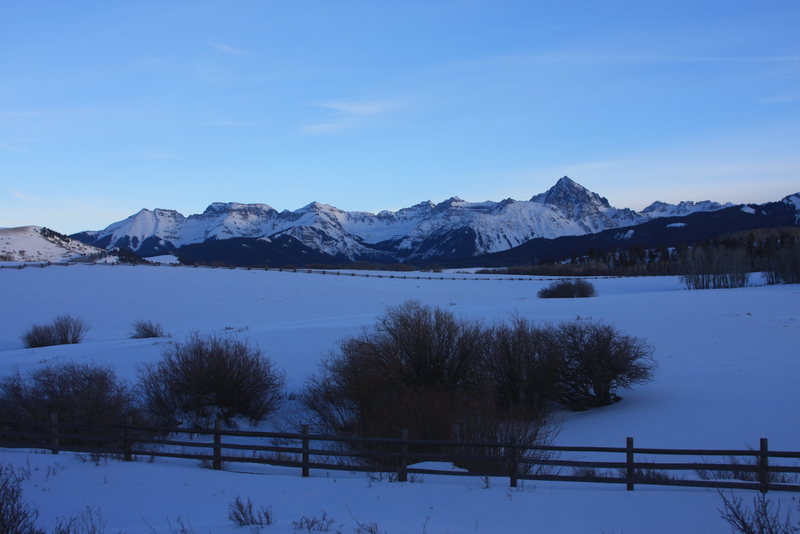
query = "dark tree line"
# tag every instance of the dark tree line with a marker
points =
(774, 251)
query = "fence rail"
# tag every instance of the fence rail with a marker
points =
(759, 469)
(343, 272)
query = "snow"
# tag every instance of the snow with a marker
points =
(168, 259)
(727, 373)
(677, 225)
(27, 244)
(748, 209)
(625, 235)
(567, 208)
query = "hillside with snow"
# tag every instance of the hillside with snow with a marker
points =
(726, 376)
(41, 245)
(453, 227)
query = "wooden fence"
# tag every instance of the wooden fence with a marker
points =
(344, 272)
(759, 469)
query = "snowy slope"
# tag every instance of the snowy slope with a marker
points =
(421, 231)
(793, 201)
(37, 244)
(727, 374)
(662, 209)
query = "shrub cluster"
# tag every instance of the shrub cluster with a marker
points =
(64, 330)
(568, 289)
(78, 392)
(195, 382)
(208, 377)
(422, 369)
(147, 329)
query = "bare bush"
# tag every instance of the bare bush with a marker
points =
(210, 377)
(523, 370)
(508, 445)
(323, 523)
(64, 330)
(16, 516)
(147, 329)
(596, 360)
(244, 514)
(90, 521)
(80, 393)
(762, 518)
(418, 369)
(561, 289)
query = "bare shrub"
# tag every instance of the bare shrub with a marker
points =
(244, 514)
(90, 521)
(79, 393)
(16, 516)
(506, 442)
(64, 330)
(762, 518)
(147, 329)
(523, 370)
(208, 377)
(561, 289)
(323, 523)
(417, 368)
(596, 360)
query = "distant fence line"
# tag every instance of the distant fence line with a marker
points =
(334, 272)
(745, 469)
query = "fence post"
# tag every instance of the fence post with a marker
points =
(763, 463)
(217, 462)
(402, 471)
(512, 451)
(305, 462)
(126, 440)
(629, 472)
(54, 433)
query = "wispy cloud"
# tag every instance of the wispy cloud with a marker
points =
(349, 114)
(228, 49)
(22, 196)
(10, 148)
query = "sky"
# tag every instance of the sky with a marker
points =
(110, 107)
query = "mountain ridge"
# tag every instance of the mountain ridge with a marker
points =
(419, 233)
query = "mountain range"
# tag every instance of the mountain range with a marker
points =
(426, 232)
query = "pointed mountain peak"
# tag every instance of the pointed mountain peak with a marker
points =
(566, 181)
(567, 193)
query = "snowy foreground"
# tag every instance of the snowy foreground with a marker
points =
(728, 370)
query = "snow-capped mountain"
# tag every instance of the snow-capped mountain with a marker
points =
(662, 209)
(794, 202)
(37, 244)
(426, 230)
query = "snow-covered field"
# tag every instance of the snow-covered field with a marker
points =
(728, 367)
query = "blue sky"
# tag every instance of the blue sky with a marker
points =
(110, 107)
